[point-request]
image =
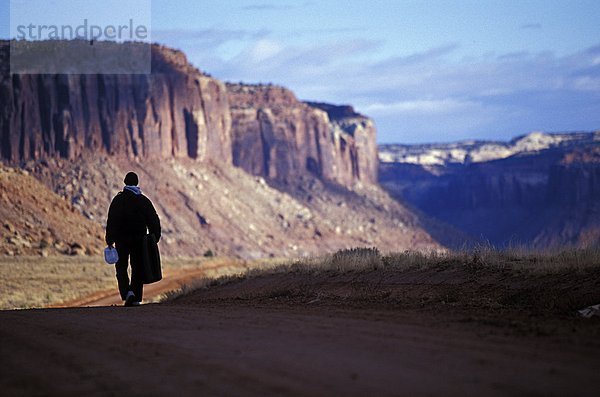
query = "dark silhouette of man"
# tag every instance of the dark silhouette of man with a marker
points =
(130, 216)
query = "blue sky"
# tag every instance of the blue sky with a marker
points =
(424, 70)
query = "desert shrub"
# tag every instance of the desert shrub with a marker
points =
(416, 259)
(354, 259)
(480, 258)
(527, 259)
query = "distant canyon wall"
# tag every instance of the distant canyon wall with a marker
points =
(178, 111)
(544, 199)
(576, 179)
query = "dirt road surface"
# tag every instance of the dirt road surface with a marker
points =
(172, 281)
(239, 349)
(445, 330)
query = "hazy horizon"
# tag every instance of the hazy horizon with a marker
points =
(424, 71)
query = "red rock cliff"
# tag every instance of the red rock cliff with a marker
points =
(175, 111)
(277, 136)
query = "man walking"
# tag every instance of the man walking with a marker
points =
(130, 216)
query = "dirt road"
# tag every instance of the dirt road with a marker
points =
(234, 349)
(444, 330)
(173, 279)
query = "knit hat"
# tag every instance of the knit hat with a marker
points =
(131, 179)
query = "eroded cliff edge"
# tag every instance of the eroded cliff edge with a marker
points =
(178, 111)
(277, 136)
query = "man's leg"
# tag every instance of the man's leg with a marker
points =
(121, 266)
(137, 286)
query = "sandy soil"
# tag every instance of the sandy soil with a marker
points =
(264, 336)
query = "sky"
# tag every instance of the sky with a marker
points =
(425, 71)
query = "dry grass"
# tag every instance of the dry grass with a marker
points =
(483, 257)
(38, 282)
(486, 257)
(231, 270)
(482, 283)
(514, 260)
(33, 281)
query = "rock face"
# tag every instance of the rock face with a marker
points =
(543, 198)
(276, 136)
(179, 112)
(576, 179)
(357, 134)
(176, 111)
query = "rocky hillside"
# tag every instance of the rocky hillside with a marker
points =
(545, 194)
(304, 181)
(229, 212)
(34, 220)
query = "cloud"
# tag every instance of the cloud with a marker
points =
(320, 31)
(587, 83)
(266, 7)
(205, 37)
(421, 106)
(203, 46)
(274, 6)
(419, 57)
(262, 50)
(268, 59)
(427, 95)
(533, 26)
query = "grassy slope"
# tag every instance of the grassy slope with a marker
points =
(532, 292)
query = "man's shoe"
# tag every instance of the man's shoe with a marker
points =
(136, 303)
(129, 299)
